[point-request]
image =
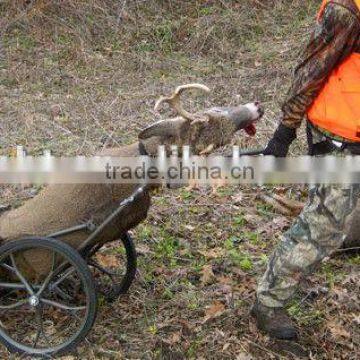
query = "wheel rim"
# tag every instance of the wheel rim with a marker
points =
(44, 313)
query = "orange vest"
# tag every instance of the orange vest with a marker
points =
(337, 107)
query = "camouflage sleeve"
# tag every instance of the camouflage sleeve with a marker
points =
(335, 37)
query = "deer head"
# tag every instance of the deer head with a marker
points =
(203, 131)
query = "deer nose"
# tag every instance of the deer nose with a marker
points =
(261, 110)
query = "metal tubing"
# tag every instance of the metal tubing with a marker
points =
(69, 230)
(90, 241)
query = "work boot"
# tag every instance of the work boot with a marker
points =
(274, 321)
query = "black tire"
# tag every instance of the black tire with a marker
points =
(85, 279)
(122, 280)
(131, 266)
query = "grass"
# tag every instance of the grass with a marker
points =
(306, 316)
(105, 62)
(86, 57)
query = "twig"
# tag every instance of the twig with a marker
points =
(348, 249)
(120, 12)
(292, 204)
(276, 205)
(265, 349)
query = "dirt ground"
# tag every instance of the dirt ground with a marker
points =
(83, 75)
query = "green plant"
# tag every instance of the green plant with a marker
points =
(239, 220)
(304, 316)
(237, 256)
(253, 237)
(166, 247)
(145, 232)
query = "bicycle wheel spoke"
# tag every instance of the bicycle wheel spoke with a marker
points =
(37, 337)
(8, 267)
(13, 306)
(62, 293)
(20, 276)
(22, 356)
(16, 286)
(49, 277)
(107, 272)
(66, 274)
(49, 310)
(62, 332)
(39, 318)
(75, 316)
(62, 306)
(8, 295)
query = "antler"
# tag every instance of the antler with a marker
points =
(174, 100)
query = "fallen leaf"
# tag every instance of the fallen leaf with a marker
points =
(108, 260)
(238, 199)
(55, 110)
(214, 253)
(159, 270)
(356, 319)
(281, 222)
(226, 346)
(173, 338)
(190, 227)
(338, 330)
(186, 327)
(214, 311)
(143, 249)
(225, 280)
(253, 220)
(207, 275)
(243, 356)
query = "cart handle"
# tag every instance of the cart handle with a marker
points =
(91, 240)
(252, 152)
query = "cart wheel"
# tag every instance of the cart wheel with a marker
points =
(118, 264)
(50, 311)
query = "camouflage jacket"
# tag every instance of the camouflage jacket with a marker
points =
(335, 37)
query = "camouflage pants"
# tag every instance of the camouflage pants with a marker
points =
(320, 229)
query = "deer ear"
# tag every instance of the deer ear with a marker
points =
(163, 128)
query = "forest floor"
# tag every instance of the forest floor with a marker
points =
(105, 63)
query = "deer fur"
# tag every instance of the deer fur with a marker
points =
(59, 207)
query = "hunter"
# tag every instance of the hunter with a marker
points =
(325, 90)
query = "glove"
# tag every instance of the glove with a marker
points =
(279, 144)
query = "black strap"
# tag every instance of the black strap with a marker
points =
(142, 149)
(327, 146)
(320, 148)
(354, 149)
